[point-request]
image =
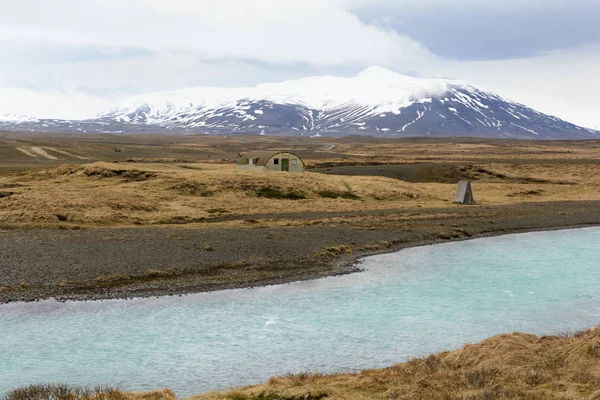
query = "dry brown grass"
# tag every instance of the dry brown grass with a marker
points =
(445, 151)
(165, 190)
(510, 366)
(66, 392)
(113, 194)
(119, 194)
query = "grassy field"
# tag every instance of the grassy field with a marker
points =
(103, 194)
(157, 180)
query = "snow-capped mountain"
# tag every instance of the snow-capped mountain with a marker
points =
(376, 102)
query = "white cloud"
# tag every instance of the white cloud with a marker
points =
(504, 5)
(52, 104)
(292, 31)
(47, 69)
(565, 83)
(84, 89)
(191, 43)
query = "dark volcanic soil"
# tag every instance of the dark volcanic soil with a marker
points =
(132, 262)
(425, 172)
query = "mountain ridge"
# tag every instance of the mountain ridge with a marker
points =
(375, 102)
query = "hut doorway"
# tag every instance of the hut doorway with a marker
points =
(285, 164)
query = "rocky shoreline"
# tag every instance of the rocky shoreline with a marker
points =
(108, 263)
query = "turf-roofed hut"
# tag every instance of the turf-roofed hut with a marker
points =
(270, 161)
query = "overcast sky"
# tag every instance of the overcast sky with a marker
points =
(76, 58)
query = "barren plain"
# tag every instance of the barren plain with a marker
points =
(104, 216)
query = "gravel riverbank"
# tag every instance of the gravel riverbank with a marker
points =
(135, 262)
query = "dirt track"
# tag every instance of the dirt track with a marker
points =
(120, 263)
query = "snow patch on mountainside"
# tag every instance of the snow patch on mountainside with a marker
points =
(376, 102)
(376, 88)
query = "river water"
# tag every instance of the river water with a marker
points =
(406, 304)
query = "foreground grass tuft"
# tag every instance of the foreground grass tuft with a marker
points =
(334, 251)
(67, 392)
(274, 396)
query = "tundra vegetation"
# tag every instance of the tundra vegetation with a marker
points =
(107, 188)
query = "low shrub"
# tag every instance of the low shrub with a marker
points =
(533, 378)
(274, 396)
(481, 378)
(100, 172)
(526, 193)
(270, 192)
(593, 349)
(333, 251)
(448, 235)
(65, 392)
(426, 365)
(97, 172)
(137, 176)
(342, 249)
(181, 220)
(62, 217)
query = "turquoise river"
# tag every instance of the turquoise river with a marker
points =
(410, 303)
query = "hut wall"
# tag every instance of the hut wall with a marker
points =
(294, 163)
(248, 167)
